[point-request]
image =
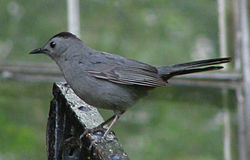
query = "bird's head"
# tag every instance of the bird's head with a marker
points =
(58, 45)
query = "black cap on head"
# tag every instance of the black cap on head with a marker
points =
(65, 35)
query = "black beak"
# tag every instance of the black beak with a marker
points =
(38, 50)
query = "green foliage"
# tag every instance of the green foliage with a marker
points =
(23, 116)
(157, 32)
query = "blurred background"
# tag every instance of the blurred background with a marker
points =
(199, 117)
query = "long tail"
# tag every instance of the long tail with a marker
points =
(167, 72)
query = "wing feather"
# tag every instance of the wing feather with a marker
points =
(121, 70)
(129, 76)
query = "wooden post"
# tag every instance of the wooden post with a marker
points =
(237, 36)
(245, 63)
(69, 117)
(241, 56)
(241, 124)
(224, 53)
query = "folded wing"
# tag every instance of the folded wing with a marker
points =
(125, 71)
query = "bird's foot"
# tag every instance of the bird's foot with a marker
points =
(67, 86)
(98, 132)
(99, 135)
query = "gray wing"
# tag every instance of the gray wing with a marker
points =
(125, 71)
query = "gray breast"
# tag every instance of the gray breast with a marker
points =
(97, 92)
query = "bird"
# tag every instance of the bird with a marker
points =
(110, 81)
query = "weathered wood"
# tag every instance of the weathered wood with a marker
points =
(241, 118)
(213, 76)
(224, 50)
(50, 69)
(206, 83)
(31, 69)
(69, 117)
(236, 35)
(245, 51)
(242, 62)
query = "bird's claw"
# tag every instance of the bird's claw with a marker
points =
(99, 135)
(96, 141)
(98, 131)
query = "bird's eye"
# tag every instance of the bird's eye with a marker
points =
(52, 44)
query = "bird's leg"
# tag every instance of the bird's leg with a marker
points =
(67, 86)
(107, 121)
(116, 117)
(112, 119)
(100, 127)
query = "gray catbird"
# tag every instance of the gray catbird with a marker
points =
(110, 81)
